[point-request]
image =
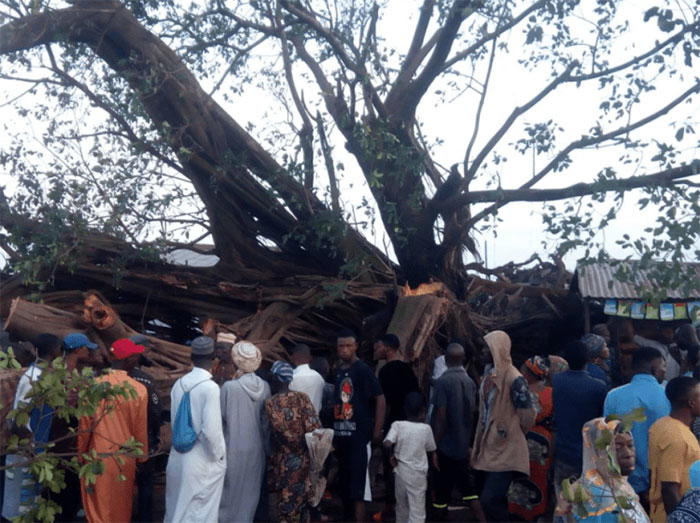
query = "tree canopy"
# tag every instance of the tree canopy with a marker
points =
(139, 112)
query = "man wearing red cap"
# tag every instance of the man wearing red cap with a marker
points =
(115, 422)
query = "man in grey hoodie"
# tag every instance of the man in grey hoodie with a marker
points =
(242, 401)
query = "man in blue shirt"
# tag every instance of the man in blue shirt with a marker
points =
(578, 398)
(649, 367)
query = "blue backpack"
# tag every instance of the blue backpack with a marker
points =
(184, 435)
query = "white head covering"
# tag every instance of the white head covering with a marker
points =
(246, 356)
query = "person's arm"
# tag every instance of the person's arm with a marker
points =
(212, 430)
(141, 424)
(671, 495)
(434, 460)
(379, 412)
(608, 405)
(522, 401)
(440, 423)
(389, 443)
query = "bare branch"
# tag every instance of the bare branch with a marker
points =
(517, 113)
(637, 59)
(402, 103)
(588, 141)
(674, 176)
(461, 55)
(337, 46)
(330, 168)
(306, 136)
(477, 119)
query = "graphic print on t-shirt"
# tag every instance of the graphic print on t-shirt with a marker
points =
(344, 412)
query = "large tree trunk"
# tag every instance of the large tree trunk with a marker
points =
(217, 155)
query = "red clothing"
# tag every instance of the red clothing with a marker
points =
(529, 497)
(109, 500)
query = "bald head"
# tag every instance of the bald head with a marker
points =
(454, 355)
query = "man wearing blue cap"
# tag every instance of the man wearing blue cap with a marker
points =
(77, 350)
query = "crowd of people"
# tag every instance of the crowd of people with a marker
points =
(596, 433)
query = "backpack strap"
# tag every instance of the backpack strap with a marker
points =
(193, 386)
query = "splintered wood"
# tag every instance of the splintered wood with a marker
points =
(415, 320)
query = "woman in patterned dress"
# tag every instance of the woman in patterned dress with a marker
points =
(529, 496)
(290, 415)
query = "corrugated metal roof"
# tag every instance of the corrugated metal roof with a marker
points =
(599, 280)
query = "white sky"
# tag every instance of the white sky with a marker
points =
(521, 233)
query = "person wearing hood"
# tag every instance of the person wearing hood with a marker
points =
(242, 402)
(602, 494)
(506, 413)
(290, 415)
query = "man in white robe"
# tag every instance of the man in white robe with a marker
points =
(195, 479)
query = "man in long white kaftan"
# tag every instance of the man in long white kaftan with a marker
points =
(195, 479)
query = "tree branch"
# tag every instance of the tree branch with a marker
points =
(477, 118)
(668, 177)
(330, 168)
(517, 113)
(359, 69)
(402, 103)
(306, 133)
(651, 52)
(587, 141)
(490, 36)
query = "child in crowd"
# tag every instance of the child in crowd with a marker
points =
(409, 443)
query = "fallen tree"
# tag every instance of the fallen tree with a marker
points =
(293, 262)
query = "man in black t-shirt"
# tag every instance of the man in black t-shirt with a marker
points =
(356, 424)
(397, 380)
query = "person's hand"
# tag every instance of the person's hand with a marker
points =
(393, 462)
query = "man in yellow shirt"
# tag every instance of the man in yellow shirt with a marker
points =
(673, 447)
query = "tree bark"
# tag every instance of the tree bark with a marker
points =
(217, 155)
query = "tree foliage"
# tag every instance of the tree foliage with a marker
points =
(68, 395)
(140, 113)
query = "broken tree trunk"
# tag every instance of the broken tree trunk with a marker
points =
(166, 361)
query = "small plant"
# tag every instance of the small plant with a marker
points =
(69, 395)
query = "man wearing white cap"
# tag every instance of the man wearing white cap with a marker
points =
(242, 402)
(195, 479)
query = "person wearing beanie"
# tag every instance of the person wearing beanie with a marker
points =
(242, 402)
(598, 355)
(115, 422)
(290, 415)
(195, 479)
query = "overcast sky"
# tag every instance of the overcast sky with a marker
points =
(521, 233)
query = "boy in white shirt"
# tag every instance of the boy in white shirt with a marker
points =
(409, 443)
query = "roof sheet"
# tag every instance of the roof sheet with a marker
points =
(599, 280)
